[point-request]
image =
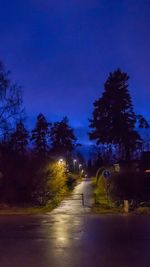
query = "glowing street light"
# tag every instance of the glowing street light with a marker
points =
(61, 161)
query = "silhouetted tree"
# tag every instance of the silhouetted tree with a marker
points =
(114, 119)
(80, 158)
(40, 135)
(19, 139)
(63, 140)
(10, 99)
(142, 122)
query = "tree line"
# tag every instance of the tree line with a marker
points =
(30, 163)
(25, 155)
(55, 139)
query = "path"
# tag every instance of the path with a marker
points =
(73, 204)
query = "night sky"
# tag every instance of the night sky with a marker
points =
(61, 52)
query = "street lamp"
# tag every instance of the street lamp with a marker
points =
(80, 165)
(61, 161)
(74, 164)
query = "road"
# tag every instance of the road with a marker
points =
(71, 237)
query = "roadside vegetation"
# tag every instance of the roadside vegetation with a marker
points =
(31, 186)
(38, 168)
(41, 166)
(124, 185)
(114, 126)
(103, 203)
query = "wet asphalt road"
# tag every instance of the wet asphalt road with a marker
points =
(70, 236)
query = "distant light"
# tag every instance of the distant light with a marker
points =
(80, 165)
(148, 170)
(75, 160)
(117, 167)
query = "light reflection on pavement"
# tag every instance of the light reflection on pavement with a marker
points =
(73, 204)
(71, 236)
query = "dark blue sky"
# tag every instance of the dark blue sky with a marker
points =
(62, 51)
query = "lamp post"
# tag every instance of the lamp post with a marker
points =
(61, 161)
(80, 165)
(74, 164)
(80, 171)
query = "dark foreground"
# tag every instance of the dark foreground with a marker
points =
(71, 237)
(74, 241)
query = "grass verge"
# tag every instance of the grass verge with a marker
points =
(104, 205)
(33, 210)
(15, 210)
(142, 210)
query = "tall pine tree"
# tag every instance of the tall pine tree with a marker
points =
(114, 119)
(40, 135)
(63, 140)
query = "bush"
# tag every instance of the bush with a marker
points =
(22, 175)
(32, 179)
(131, 186)
(57, 177)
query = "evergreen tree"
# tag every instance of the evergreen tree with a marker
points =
(114, 119)
(19, 139)
(40, 135)
(63, 140)
(79, 156)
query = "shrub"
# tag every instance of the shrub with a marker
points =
(57, 177)
(131, 186)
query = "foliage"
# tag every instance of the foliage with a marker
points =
(131, 186)
(16, 181)
(27, 175)
(142, 122)
(63, 140)
(103, 203)
(31, 179)
(40, 135)
(114, 119)
(10, 100)
(57, 177)
(19, 139)
(100, 191)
